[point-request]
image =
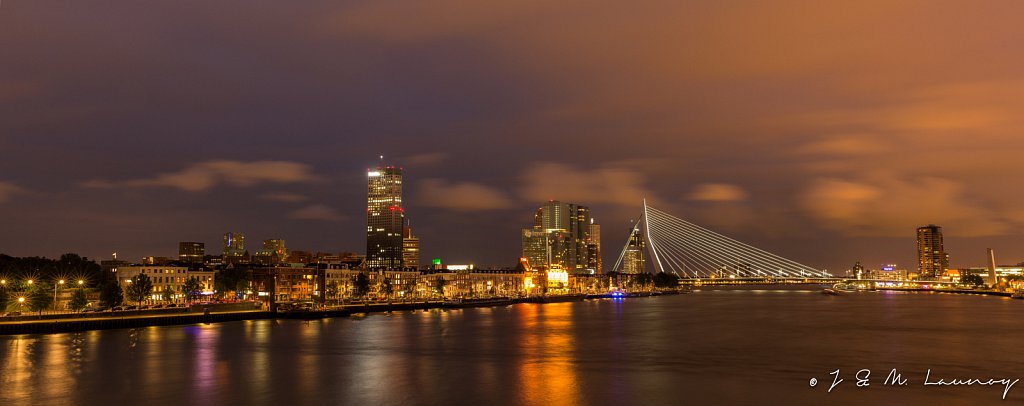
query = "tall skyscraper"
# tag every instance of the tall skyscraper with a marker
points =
(191, 252)
(563, 230)
(535, 247)
(234, 248)
(633, 257)
(410, 249)
(932, 259)
(594, 247)
(384, 218)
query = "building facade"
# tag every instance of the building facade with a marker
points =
(932, 259)
(191, 252)
(410, 249)
(234, 248)
(168, 276)
(561, 236)
(274, 252)
(633, 256)
(385, 218)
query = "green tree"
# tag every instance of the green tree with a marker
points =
(332, 290)
(361, 285)
(643, 279)
(167, 294)
(970, 279)
(387, 287)
(78, 300)
(410, 288)
(439, 285)
(5, 299)
(666, 280)
(140, 288)
(40, 297)
(191, 288)
(111, 294)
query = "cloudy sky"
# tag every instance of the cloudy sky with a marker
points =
(823, 131)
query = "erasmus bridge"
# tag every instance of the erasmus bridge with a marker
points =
(677, 246)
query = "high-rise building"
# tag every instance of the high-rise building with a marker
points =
(561, 236)
(234, 248)
(384, 218)
(535, 247)
(191, 252)
(594, 247)
(633, 256)
(273, 252)
(410, 249)
(932, 259)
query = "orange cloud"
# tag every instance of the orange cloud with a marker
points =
(205, 175)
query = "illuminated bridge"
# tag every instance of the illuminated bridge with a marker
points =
(680, 247)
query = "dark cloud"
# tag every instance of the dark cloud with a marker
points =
(826, 132)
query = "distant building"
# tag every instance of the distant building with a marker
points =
(191, 252)
(932, 259)
(273, 252)
(410, 249)
(385, 218)
(594, 247)
(633, 256)
(234, 248)
(561, 236)
(535, 247)
(156, 260)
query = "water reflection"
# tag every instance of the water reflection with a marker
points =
(546, 373)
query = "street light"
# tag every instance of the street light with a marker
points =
(60, 282)
(80, 282)
(30, 281)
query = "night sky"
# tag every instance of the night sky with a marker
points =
(822, 131)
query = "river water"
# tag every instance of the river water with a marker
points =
(726, 346)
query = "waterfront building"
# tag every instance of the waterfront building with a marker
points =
(385, 218)
(190, 252)
(594, 248)
(932, 259)
(234, 248)
(633, 255)
(289, 284)
(410, 249)
(561, 235)
(168, 276)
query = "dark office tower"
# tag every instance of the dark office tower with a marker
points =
(384, 218)
(191, 252)
(932, 260)
(234, 248)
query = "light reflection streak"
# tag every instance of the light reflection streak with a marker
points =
(547, 374)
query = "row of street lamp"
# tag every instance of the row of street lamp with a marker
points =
(61, 282)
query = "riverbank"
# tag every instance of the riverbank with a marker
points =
(959, 291)
(194, 316)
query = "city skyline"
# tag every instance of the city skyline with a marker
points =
(788, 126)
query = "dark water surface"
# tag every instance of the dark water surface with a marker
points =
(711, 347)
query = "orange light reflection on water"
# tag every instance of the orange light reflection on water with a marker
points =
(547, 374)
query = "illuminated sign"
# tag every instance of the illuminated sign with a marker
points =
(374, 174)
(437, 261)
